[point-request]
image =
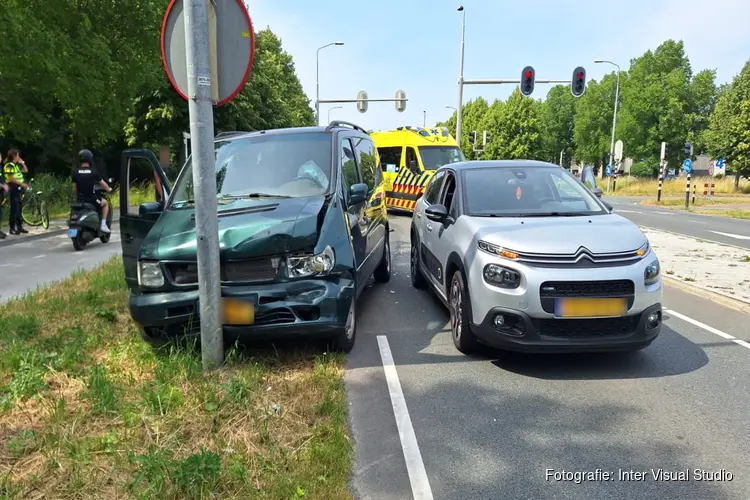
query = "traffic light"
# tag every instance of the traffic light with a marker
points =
(527, 80)
(486, 138)
(473, 137)
(688, 149)
(578, 83)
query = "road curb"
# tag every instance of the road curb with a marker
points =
(10, 240)
(719, 297)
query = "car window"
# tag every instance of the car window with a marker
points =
(528, 191)
(367, 157)
(348, 166)
(289, 165)
(411, 155)
(434, 157)
(449, 190)
(390, 158)
(433, 188)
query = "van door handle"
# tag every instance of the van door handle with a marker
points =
(429, 228)
(127, 238)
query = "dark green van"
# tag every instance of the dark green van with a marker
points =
(302, 227)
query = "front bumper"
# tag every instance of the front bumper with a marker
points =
(569, 335)
(315, 307)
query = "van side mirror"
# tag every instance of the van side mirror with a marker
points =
(414, 167)
(358, 193)
(150, 208)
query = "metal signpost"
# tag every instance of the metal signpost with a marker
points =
(362, 101)
(618, 163)
(207, 49)
(662, 166)
(687, 165)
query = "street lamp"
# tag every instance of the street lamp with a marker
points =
(317, 80)
(424, 119)
(331, 109)
(450, 107)
(459, 109)
(614, 116)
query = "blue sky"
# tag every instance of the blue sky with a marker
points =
(415, 46)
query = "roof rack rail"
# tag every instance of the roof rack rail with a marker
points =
(228, 133)
(338, 123)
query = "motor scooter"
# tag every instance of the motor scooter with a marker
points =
(84, 222)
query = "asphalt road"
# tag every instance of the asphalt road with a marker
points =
(708, 227)
(29, 263)
(490, 426)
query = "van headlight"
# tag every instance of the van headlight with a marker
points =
(303, 266)
(150, 275)
(651, 273)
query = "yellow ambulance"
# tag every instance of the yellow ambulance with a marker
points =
(409, 157)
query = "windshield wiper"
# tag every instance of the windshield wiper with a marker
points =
(553, 214)
(253, 195)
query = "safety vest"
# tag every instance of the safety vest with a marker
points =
(13, 170)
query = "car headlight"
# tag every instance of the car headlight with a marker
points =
(150, 275)
(496, 250)
(501, 276)
(302, 266)
(651, 273)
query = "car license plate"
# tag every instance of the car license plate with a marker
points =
(72, 233)
(590, 308)
(235, 311)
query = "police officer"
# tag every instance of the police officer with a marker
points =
(85, 179)
(3, 190)
(14, 169)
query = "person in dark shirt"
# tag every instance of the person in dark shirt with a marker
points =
(3, 190)
(85, 179)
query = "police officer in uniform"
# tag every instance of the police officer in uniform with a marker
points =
(85, 179)
(14, 169)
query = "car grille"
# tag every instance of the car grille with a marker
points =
(551, 290)
(581, 258)
(276, 317)
(234, 271)
(587, 328)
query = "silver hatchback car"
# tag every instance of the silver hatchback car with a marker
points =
(527, 258)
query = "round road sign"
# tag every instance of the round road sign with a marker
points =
(232, 47)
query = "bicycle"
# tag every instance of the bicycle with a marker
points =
(34, 210)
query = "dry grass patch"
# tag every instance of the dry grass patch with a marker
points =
(87, 409)
(635, 186)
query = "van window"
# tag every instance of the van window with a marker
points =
(411, 155)
(348, 167)
(367, 157)
(390, 158)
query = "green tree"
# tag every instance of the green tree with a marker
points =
(516, 128)
(592, 132)
(558, 121)
(728, 133)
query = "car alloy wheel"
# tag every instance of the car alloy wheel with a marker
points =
(456, 303)
(413, 261)
(350, 318)
(388, 255)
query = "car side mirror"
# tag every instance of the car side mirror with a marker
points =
(608, 205)
(358, 193)
(597, 192)
(437, 212)
(150, 208)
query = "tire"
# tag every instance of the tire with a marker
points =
(417, 278)
(45, 214)
(383, 272)
(459, 306)
(78, 243)
(30, 214)
(344, 340)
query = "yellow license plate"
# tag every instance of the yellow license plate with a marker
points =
(590, 308)
(238, 312)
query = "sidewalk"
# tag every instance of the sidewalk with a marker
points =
(56, 226)
(712, 267)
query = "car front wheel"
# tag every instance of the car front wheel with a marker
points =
(417, 278)
(344, 340)
(459, 305)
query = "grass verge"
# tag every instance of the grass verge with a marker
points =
(735, 214)
(88, 410)
(636, 186)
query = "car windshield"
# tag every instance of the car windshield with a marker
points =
(273, 165)
(434, 157)
(528, 192)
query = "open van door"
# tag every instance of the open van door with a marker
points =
(140, 207)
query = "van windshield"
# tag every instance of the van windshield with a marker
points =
(434, 157)
(275, 165)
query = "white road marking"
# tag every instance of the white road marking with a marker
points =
(420, 485)
(629, 211)
(732, 235)
(708, 328)
(665, 213)
(697, 221)
(40, 256)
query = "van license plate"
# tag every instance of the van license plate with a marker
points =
(590, 308)
(235, 311)
(72, 233)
